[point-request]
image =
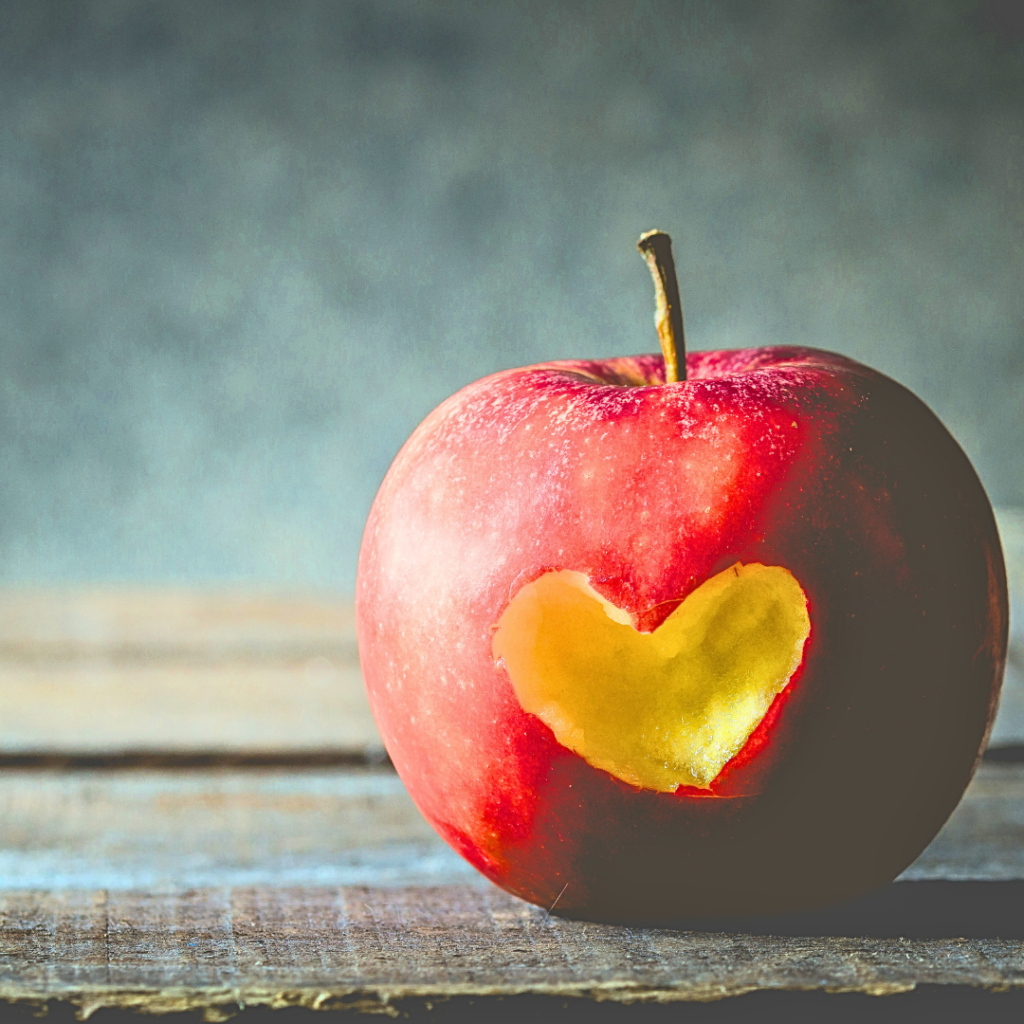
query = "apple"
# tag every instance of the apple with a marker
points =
(691, 634)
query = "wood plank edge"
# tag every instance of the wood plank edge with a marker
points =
(88, 999)
(125, 760)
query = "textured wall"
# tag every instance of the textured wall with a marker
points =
(245, 247)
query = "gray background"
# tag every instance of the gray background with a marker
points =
(245, 247)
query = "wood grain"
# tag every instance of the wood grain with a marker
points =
(90, 672)
(158, 830)
(132, 624)
(312, 704)
(176, 829)
(367, 948)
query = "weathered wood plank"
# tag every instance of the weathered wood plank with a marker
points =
(370, 947)
(63, 944)
(162, 830)
(145, 829)
(85, 709)
(132, 624)
(107, 672)
(213, 889)
(280, 931)
(161, 940)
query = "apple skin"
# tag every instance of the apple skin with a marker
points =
(783, 456)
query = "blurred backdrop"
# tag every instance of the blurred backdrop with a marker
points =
(245, 247)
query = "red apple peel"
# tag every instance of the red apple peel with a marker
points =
(778, 456)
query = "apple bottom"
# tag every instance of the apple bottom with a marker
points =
(613, 853)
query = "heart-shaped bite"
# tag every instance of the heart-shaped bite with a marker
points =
(657, 710)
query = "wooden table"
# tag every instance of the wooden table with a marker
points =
(196, 815)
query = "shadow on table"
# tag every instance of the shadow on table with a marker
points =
(912, 910)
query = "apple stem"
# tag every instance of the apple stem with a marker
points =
(656, 249)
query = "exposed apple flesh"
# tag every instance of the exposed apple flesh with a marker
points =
(662, 709)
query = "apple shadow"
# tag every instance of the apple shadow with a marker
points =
(912, 910)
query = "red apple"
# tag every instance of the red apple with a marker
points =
(729, 644)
